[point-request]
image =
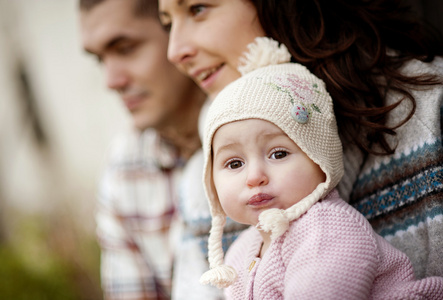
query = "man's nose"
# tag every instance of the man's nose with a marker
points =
(116, 75)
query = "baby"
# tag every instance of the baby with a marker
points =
(273, 158)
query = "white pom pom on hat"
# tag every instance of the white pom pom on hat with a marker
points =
(261, 53)
(291, 97)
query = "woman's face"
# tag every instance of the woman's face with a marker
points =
(207, 38)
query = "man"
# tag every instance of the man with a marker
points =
(137, 200)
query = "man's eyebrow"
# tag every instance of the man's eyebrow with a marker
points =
(114, 41)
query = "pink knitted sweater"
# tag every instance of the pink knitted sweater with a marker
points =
(331, 252)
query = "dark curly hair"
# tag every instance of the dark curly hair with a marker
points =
(357, 48)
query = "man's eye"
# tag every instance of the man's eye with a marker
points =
(279, 154)
(235, 164)
(124, 49)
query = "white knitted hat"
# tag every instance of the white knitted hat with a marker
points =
(295, 100)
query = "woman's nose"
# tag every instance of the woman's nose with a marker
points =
(181, 47)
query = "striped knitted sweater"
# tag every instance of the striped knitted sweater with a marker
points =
(331, 252)
(402, 194)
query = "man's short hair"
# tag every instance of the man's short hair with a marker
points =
(142, 8)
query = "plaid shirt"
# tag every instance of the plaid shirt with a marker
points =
(135, 215)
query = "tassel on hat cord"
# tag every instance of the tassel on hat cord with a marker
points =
(219, 275)
(273, 220)
(277, 221)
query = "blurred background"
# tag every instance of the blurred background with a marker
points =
(56, 122)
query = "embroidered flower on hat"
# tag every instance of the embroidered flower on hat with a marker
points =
(300, 94)
(300, 88)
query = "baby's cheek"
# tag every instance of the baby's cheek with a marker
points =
(301, 183)
(227, 201)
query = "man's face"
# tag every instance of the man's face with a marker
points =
(133, 53)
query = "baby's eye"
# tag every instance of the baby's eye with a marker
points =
(234, 164)
(279, 154)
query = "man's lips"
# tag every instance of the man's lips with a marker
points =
(260, 199)
(133, 101)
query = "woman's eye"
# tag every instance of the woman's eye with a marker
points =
(196, 9)
(279, 154)
(235, 164)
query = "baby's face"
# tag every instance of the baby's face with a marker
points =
(256, 166)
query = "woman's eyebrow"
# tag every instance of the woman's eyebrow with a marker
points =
(162, 13)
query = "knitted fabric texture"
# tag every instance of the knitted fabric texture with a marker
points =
(263, 52)
(331, 252)
(296, 101)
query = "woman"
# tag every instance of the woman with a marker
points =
(382, 69)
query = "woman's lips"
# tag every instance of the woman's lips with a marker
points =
(206, 73)
(260, 199)
(207, 77)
